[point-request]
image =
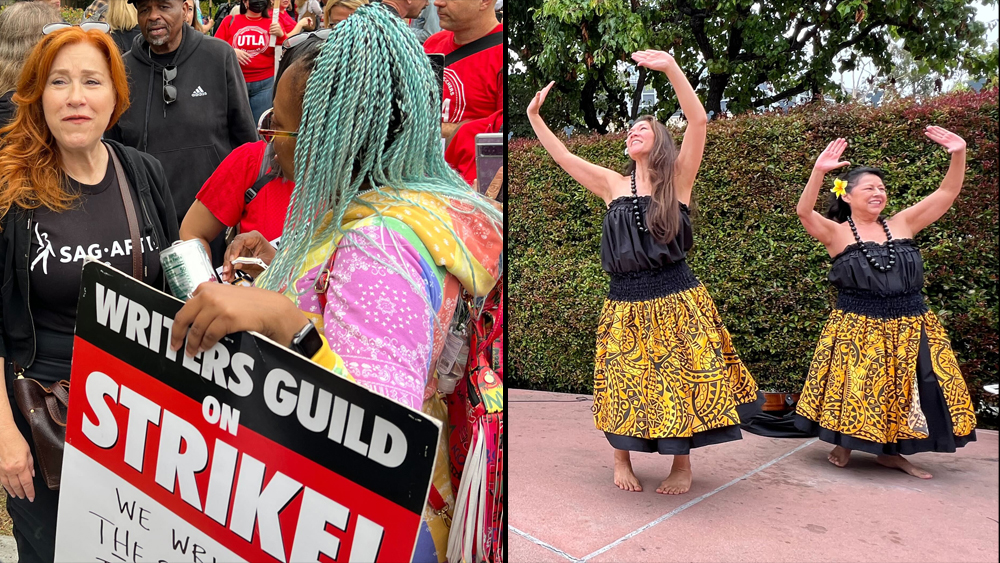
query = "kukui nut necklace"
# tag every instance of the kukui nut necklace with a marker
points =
(635, 208)
(864, 249)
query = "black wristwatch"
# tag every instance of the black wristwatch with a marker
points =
(307, 341)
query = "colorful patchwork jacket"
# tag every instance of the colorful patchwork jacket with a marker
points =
(388, 328)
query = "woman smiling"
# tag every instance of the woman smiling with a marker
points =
(666, 377)
(883, 379)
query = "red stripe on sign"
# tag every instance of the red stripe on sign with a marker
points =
(307, 498)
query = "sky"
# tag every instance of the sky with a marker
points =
(985, 14)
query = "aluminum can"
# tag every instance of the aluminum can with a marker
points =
(186, 265)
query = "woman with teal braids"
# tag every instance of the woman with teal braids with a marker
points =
(381, 237)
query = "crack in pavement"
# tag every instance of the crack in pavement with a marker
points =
(663, 518)
(691, 503)
(539, 542)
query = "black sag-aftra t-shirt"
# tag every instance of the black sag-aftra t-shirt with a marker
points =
(61, 241)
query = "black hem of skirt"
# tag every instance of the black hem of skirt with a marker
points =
(942, 437)
(684, 445)
(945, 444)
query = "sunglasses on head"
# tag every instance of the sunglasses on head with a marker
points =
(267, 133)
(300, 38)
(169, 90)
(103, 27)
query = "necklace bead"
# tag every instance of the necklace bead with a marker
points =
(864, 249)
(635, 208)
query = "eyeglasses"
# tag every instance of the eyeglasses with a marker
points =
(300, 38)
(103, 27)
(268, 134)
(169, 90)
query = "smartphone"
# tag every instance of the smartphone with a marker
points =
(489, 158)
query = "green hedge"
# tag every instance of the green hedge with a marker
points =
(766, 275)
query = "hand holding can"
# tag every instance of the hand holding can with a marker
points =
(186, 266)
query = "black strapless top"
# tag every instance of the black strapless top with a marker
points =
(624, 249)
(866, 290)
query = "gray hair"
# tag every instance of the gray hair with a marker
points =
(20, 29)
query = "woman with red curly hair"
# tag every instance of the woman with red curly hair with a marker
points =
(61, 201)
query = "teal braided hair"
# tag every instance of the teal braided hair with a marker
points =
(368, 113)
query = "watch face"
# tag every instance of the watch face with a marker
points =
(308, 342)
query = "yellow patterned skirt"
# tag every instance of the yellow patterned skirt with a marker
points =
(886, 383)
(666, 376)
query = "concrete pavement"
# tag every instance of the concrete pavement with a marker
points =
(8, 549)
(758, 499)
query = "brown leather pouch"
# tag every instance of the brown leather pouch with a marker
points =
(45, 410)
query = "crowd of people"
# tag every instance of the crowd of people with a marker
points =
(320, 140)
(667, 379)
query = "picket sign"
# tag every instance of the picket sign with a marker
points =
(275, 19)
(245, 452)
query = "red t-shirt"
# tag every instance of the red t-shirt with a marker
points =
(473, 92)
(473, 86)
(461, 152)
(254, 36)
(223, 193)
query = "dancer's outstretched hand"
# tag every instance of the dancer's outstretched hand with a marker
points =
(653, 60)
(950, 141)
(829, 159)
(539, 99)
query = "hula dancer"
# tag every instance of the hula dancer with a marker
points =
(884, 379)
(666, 377)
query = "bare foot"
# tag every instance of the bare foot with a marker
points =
(625, 479)
(679, 480)
(839, 456)
(897, 462)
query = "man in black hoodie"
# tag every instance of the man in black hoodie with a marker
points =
(189, 105)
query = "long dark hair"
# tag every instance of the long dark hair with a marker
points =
(839, 210)
(663, 216)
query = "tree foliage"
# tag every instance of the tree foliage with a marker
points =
(746, 53)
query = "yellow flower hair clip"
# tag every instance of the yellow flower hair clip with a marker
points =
(839, 187)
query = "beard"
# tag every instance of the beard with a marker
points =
(159, 41)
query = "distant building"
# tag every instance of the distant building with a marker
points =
(647, 99)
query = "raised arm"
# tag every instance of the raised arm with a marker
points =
(913, 219)
(821, 228)
(597, 179)
(693, 145)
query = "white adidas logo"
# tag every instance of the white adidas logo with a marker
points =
(198, 92)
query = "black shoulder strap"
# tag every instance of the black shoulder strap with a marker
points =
(266, 174)
(469, 49)
(257, 186)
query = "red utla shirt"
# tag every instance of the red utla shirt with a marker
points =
(254, 36)
(473, 86)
